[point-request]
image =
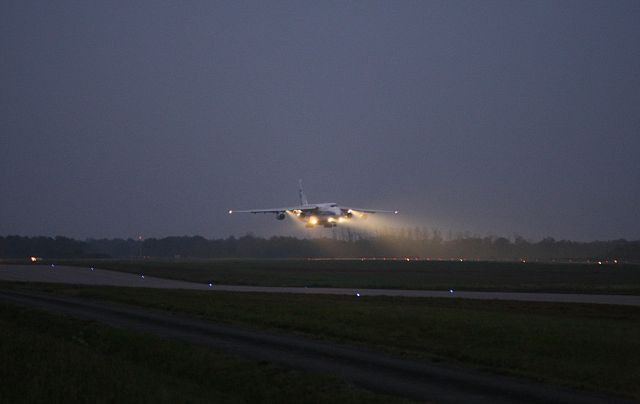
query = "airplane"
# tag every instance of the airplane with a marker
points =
(317, 214)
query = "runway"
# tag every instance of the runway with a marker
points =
(88, 276)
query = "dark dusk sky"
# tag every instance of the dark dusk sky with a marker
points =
(156, 117)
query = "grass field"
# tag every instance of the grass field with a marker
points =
(51, 359)
(436, 275)
(592, 347)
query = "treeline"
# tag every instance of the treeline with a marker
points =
(482, 248)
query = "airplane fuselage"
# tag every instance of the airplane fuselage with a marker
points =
(328, 209)
(323, 214)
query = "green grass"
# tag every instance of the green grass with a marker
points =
(53, 359)
(438, 275)
(592, 347)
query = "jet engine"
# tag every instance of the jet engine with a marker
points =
(281, 216)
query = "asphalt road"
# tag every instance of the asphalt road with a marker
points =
(86, 276)
(375, 371)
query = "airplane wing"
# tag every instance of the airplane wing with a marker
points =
(277, 210)
(347, 209)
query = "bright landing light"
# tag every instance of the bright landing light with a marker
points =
(313, 220)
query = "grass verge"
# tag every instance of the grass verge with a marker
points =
(591, 347)
(49, 358)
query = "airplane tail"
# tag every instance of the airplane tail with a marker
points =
(303, 197)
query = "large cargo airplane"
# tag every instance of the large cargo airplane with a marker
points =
(317, 214)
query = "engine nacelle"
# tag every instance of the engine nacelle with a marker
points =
(349, 215)
(281, 216)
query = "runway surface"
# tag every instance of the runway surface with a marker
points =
(88, 276)
(373, 370)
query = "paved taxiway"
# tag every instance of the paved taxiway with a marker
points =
(87, 276)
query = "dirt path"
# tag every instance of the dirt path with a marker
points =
(372, 370)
